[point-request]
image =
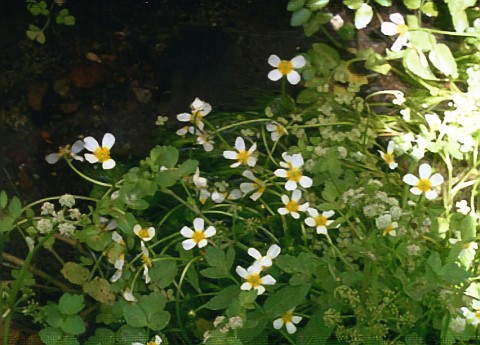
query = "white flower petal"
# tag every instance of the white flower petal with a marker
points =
(431, 194)
(290, 328)
(254, 253)
(436, 179)
(303, 207)
(184, 117)
(273, 251)
(297, 160)
(296, 195)
(108, 164)
(242, 272)
(298, 61)
(310, 221)
(293, 77)
(275, 75)
(397, 18)
(312, 212)
(425, 170)
(188, 244)
(248, 174)
(291, 185)
(278, 323)
(251, 161)
(198, 223)
(283, 211)
(52, 158)
(280, 173)
(91, 158)
(274, 60)
(108, 140)
(90, 143)
(78, 146)
(398, 44)
(321, 229)
(211, 231)
(295, 215)
(268, 280)
(260, 290)
(247, 187)
(415, 191)
(410, 179)
(306, 182)
(202, 243)
(230, 154)
(187, 232)
(328, 214)
(240, 144)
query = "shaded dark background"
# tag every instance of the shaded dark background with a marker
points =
(156, 57)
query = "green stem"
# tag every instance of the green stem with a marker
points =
(320, 125)
(103, 184)
(451, 33)
(217, 133)
(177, 301)
(17, 285)
(247, 122)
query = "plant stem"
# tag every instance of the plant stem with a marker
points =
(103, 184)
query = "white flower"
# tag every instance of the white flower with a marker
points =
(161, 120)
(44, 226)
(425, 183)
(197, 237)
(257, 185)
(457, 324)
(462, 207)
(199, 109)
(277, 130)
(472, 317)
(144, 234)
(319, 221)
(294, 173)
(337, 22)
(264, 261)
(397, 26)
(47, 209)
(100, 153)
(157, 341)
(67, 200)
(77, 147)
(390, 230)
(242, 156)
(128, 295)
(66, 229)
(119, 266)
(147, 263)
(198, 181)
(292, 206)
(286, 68)
(206, 140)
(388, 156)
(289, 320)
(253, 278)
(218, 196)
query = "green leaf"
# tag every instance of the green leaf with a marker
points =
(153, 307)
(412, 4)
(422, 39)
(294, 5)
(215, 256)
(363, 16)
(215, 272)
(15, 207)
(100, 290)
(468, 228)
(69, 20)
(222, 299)
(457, 11)
(312, 26)
(230, 258)
(429, 9)
(50, 335)
(70, 304)
(53, 316)
(134, 315)
(166, 156)
(353, 4)
(163, 272)
(316, 5)
(3, 199)
(284, 299)
(103, 336)
(73, 324)
(75, 273)
(127, 334)
(315, 331)
(300, 17)
(94, 237)
(453, 274)
(187, 168)
(307, 96)
(384, 3)
(442, 58)
(412, 62)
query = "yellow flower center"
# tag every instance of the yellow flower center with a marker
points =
(477, 314)
(196, 116)
(287, 317)
(102, 154)
(294, 174)
(389, 229)
(243, 156)
(285, 67)
(152, 343)
(402, 29)
(280, 130)
(292, 206)
(198, 236)
(388, 157)
(424, 185)
(146, 260)
(143, 233)
(254, 280)
(320, 220)
(259, 187)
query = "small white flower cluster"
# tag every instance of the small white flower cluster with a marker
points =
(52, 218)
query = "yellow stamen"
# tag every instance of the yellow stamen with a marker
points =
(292, 206)
(389, 229)
(198, 236)
(388, 157)
(285, 67)
(196, 116)
(287, 317)
(280, 130)
(152, 343)
(294, 174)
(254, 280)
(143, 233)
(243, 156)
(146, 260)
(424, 185)
(320, 220)
(102, 154)
(402, 29)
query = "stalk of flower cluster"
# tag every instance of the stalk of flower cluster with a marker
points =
(16, 288)
(82, 175)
